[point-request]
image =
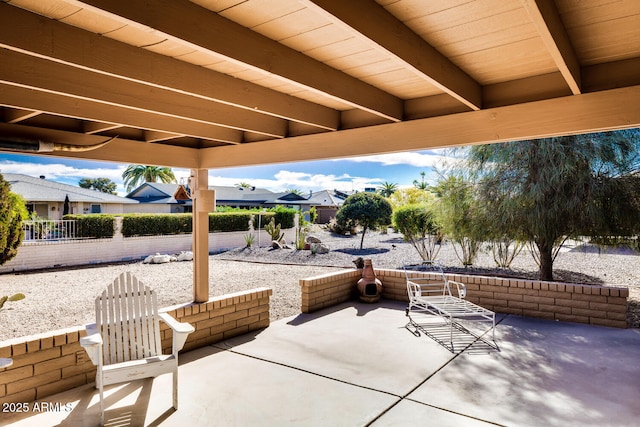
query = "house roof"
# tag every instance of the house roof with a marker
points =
(204, 84)
(160, 193)
(153, 192)
(34, 189)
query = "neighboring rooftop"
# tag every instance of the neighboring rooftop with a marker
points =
(153, 192)
(34, 189)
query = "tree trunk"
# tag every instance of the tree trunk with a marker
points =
(364, 230)
(546, 261)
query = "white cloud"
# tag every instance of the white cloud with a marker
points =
(415, 159)
(58, 170)
(284, 180)
(63, 173)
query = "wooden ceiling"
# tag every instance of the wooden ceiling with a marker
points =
(220, 83)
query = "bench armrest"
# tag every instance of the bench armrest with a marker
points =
(460, 287)
(180, 331)
(92, 343)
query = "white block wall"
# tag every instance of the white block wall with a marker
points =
(119, 248)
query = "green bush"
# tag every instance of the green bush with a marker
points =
(102, 225)
(230, 221)
(93, 226)
(155, 224)
(12, 212)
(284, 216)
(419, 226)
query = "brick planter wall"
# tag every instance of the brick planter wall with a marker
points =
(53, 362)
(596, 305)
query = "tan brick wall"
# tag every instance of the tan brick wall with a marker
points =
(53, 362)
(596, 305)
(328, 289)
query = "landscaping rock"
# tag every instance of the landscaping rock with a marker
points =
(185, 256)
(319, 248)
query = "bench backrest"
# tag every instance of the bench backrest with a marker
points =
(425, 279)
(127, 318)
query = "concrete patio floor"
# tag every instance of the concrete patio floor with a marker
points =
(356, 365)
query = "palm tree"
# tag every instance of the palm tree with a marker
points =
(421, 185)
(386, 189)
(136, 174)
(243, 184)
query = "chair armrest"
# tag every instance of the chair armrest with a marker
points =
(413, 289)
(92, 343)
(180, 331)
(461, 288)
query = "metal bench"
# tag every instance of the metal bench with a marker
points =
(430, 292)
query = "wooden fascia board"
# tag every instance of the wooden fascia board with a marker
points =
(600, 111)
(41, 74)
(545, 18)
(392, 36)
(119, 150)
(62, 105)
(28, 32)
(207, 31)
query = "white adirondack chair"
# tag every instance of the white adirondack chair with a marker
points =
(124, 343)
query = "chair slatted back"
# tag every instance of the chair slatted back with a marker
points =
(127, 318)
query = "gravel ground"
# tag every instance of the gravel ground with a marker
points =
(57, 299)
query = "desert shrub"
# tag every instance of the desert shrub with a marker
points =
(419, 226)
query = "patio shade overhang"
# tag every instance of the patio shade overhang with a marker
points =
(207, 84)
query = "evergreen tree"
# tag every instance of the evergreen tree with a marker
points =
(368, 210)
(12, 213)
(552, 189)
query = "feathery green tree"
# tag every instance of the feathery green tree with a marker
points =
(552, 189)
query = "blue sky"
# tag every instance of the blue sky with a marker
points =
(354, 173)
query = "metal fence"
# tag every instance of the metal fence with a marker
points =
(49, 231)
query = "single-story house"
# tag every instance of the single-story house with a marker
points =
(175, 198)
(47, 198)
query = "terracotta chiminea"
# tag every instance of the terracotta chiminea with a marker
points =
(369, 287)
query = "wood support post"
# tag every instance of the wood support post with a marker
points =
(203, 203)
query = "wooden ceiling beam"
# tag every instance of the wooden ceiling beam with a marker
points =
(61, 105)
(119, 150)
(155, 136)
(92, 127)
(28, 32)
(592, 112)
(38, 73)
(207, 31)
(546, 19)
(15, 115)
(394, 38)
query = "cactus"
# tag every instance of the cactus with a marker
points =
(16, 297)
(274, 231)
